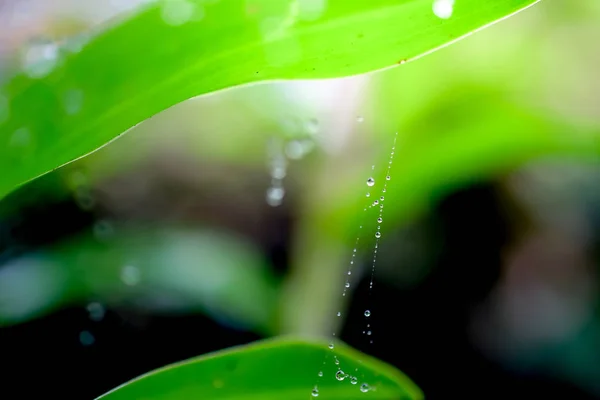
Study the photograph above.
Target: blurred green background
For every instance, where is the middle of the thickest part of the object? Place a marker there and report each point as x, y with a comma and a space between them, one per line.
233, 216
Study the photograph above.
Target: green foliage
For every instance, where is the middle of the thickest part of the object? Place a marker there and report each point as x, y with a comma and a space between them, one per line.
107, 83
274, 369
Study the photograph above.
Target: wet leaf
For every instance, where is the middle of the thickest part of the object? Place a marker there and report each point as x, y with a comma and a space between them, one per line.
273, 369
71, 98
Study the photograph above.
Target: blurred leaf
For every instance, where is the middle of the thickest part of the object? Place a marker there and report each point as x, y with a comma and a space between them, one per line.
168, 270
463, 135
69, 100
272, 369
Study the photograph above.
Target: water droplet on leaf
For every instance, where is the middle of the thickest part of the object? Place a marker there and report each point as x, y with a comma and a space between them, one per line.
367, 313
340, 375
370, 182
377, 235
364, 388
443, 8
40, 58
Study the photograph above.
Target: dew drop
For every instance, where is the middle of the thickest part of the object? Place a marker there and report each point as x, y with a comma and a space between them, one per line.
320, 374
339, 314
387, 178
20, 138
370, 182
40, 58
278, 172
376, 202
364, 388
315, 392
443, 8
275, 196
103, 230
297, 149
382, 198
353, 380
367, 313
336, 361
347, 285
312, 126
369, 333
380, 220
350, 272
377, 235
177, 12
96, 311
383, 190
73, 100
86, 338
331, 346
130, 275
368, 194
340, 375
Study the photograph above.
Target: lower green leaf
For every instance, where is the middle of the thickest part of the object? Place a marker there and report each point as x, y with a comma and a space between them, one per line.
279, 369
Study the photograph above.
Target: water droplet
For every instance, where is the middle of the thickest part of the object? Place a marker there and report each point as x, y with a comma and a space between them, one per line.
383, 190
278, 172
40, 58
96, 311
296, 149
177, 12
443, 8
360, 119
369, 333
275, 196
84, 198
340, 375
350, 272
320, 373
353, 380
370, 182
103, 230
20, 138
315, 392
377, 235
331, 346
73, 100
368, 194
86, 338
364, 388
336, 361
367, 313
339, 314
375, 202
130, 275
388, 178
347, 285
76, 43
380, 220
312, 126
382, 198
218, 384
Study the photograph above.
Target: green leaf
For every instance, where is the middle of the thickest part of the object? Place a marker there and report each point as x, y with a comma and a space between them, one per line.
273, 369
57, 109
